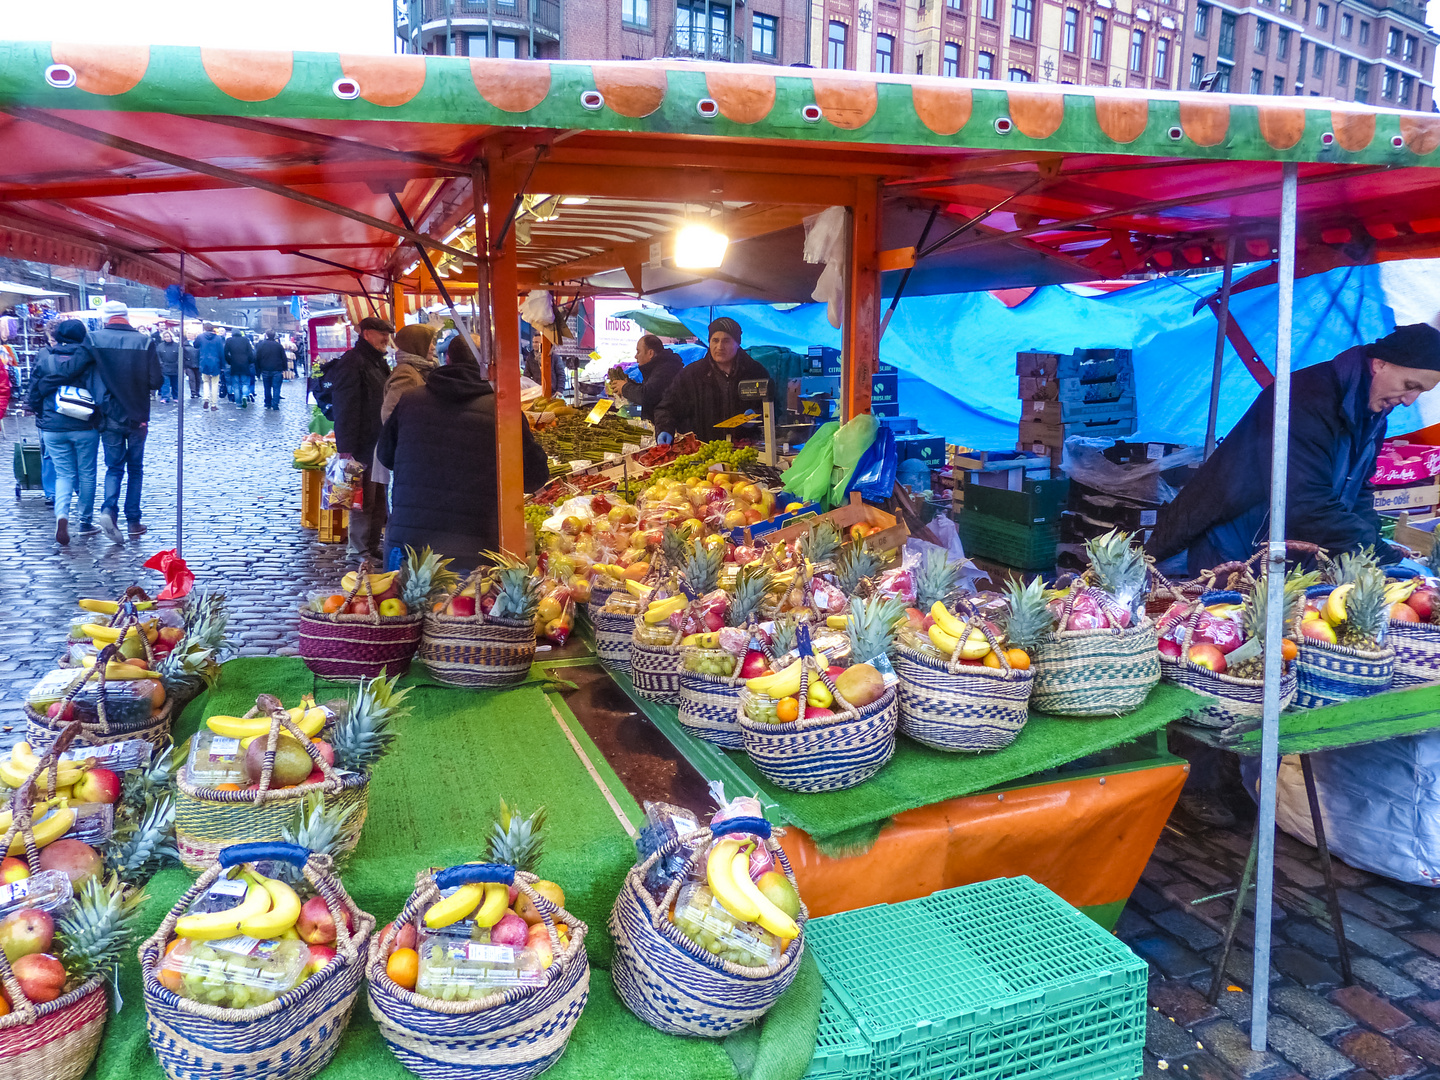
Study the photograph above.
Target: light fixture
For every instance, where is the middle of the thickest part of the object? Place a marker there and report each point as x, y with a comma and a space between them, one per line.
699, 247
575, 200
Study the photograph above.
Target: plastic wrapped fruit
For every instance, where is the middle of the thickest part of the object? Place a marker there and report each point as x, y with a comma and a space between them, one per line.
710, 662
701, 918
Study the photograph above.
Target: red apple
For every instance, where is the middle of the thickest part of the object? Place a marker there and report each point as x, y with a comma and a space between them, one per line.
13, 869
404, 937
1208, 656
320, 955
1403, 613
171, 634
26, 931
753, 664
97, 786
41, 977
1169, 647
1318, 630
461, 605
325, 750
316, 925
61, 710
359, 606
1423, 601
315, 777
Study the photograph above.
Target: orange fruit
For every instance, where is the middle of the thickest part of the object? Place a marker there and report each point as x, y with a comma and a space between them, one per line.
333, 604
403, 967
787, 709
4, 1004
992, 659
1288, 649
227, 787
1019, 659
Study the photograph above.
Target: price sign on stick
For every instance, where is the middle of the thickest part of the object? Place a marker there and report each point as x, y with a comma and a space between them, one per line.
598, 412
738, 421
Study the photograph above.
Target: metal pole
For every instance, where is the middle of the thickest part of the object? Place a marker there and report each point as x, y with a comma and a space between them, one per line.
1222, 328
180, 399
1274, 618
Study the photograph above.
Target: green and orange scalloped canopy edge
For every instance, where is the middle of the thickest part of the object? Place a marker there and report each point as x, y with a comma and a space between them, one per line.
751, 101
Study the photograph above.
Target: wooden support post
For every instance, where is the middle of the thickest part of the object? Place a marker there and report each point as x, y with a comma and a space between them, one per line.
547, 380
503, 181
862, 300
397, 305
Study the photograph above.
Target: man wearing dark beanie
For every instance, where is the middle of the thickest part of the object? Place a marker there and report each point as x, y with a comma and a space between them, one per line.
1338, 412
708, 391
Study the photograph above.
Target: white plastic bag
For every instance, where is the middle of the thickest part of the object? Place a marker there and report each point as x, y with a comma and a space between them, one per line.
537, 310
826, 241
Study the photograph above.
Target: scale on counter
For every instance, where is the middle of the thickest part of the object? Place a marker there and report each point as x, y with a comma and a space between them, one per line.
756, 390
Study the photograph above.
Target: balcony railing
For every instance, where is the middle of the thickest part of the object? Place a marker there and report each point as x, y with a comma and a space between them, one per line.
546, 12
696, 44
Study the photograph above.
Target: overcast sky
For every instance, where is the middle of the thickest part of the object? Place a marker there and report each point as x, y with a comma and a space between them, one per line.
324, 25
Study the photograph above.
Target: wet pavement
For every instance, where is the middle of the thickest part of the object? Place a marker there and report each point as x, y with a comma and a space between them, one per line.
242, 532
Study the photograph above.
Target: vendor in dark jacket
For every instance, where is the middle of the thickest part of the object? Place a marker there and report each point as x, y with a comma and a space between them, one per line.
1337, 423
708, 391
357, 381
440, 445
658, 368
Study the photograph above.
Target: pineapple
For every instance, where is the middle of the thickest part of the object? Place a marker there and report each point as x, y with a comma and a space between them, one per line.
1349, 565
516, 840
425, 576
1367, 611
782, 635
96, 932
819, 543
672, 547
517, 591
1029, 620
751, 585
871, 627
855, 564
936, 578
700, 566
1253, 618
143, 841
197, 655
315, 828
1119, 567
364, 733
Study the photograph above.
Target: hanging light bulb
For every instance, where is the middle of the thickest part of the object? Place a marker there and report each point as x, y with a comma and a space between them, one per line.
699, 247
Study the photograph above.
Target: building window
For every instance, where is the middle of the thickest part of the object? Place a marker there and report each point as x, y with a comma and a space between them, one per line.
1262, 36
1392, 43
1137, 51
1300, 67
1162, 59
1347, 24
1342, 69
1256, 75
507, 48
1227, 35
951, 66
763, 35
635, 12
1222, 79
984, 66
690, 36
1319, 68
1405, 81
955, 5
1197, 71
1282, 43
1362, 81
1387, 84
919, 63
1278, 89
884, 53
1287, 7
1097, 39
1322, 16
1306, 17
1022, 19
1072, 29
1202, 20
1019, 75
987, 9
836, 56
1409, 55
1364, 32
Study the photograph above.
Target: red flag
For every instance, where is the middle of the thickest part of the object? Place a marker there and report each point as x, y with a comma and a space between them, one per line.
178, 578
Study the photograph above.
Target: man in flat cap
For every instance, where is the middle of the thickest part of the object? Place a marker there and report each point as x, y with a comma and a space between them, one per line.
708, 391
357, 381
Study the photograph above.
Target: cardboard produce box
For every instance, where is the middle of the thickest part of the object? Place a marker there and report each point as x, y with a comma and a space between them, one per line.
1408, 496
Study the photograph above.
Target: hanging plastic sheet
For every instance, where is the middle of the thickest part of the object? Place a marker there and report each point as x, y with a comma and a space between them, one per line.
809, 475
874, 475
851, 443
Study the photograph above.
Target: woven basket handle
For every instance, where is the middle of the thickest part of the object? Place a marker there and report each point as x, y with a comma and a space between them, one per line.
362, 583
49, 763
19, 1003
428, 886
974, 621
476, 577
279, 718
102, 661
22, 803
809, 662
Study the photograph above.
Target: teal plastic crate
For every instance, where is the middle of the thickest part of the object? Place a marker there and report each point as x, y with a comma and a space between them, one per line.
996, 981
841, 1051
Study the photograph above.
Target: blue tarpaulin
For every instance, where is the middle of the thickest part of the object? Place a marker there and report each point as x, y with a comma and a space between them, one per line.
956, 353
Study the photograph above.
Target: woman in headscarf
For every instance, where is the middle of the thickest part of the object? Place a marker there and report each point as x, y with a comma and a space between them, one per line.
414, 361
708, 391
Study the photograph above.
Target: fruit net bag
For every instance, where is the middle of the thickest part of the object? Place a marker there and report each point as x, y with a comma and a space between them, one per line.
479, 650
961, 707
290, 1038
347, 647
514, 1033
670, 981
825, 752
211, 819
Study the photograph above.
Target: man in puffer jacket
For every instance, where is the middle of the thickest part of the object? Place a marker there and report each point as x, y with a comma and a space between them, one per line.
130, 368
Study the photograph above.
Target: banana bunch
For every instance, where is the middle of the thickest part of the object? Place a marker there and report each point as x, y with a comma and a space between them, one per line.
379, 583
727, 871
121, 670
316, 453
23, 761
310, 721
46, 829
786, 683
270, 909
710, 639
487, 901
661, 610
108, 635
635, 589
1397, 592
111, 607
945, 635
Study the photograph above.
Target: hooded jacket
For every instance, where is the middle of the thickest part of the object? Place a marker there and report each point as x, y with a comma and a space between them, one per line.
169, 353
210, 353
240, 354
439, 444
657, 376
410, 371
701, 396
67, 363
357, 388
130, 368
1221, 514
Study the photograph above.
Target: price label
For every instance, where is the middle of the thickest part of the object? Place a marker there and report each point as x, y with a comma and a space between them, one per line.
738, 421
602, 407
229, 887
222, 747
16, 890
810, 408
240, 945
489, 954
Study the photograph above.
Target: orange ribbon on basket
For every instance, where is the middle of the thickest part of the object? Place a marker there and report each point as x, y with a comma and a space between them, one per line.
179, 579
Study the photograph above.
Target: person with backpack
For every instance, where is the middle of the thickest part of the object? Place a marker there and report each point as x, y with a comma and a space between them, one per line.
210, 357
240, 356
69, 425
350, 392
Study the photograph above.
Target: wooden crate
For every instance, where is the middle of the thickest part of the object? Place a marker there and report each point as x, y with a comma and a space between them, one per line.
892, 532
1417, 531
334, 526
310, 483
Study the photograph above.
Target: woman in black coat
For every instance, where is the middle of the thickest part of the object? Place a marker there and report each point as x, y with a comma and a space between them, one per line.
439, 445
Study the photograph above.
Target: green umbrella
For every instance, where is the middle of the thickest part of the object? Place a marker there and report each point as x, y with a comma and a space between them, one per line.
658, 322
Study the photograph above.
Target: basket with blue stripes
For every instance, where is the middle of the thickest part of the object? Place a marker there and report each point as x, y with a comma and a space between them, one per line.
670, 982
1416, 644
292, 1037
614, 628
1329, 674
511, 1034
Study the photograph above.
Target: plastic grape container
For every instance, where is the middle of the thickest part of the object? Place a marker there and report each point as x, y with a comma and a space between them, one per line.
704, 920
237, 972
215, 759
711, 662
453, 967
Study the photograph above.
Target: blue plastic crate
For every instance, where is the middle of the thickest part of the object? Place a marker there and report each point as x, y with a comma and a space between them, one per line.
841, 1051
996, 981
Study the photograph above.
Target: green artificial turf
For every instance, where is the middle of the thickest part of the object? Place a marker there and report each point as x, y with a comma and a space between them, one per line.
432, 800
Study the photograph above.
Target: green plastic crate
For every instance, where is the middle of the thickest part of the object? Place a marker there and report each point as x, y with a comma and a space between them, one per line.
997, 981
1038, 502
841, 1051
1025, 547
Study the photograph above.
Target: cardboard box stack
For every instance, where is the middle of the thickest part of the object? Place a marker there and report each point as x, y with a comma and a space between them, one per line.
1088, 392
1007, 507
1093, 513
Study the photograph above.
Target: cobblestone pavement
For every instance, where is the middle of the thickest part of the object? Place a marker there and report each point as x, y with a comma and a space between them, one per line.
242, 531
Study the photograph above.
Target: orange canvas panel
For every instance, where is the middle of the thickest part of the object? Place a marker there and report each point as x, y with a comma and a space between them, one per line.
1087, 840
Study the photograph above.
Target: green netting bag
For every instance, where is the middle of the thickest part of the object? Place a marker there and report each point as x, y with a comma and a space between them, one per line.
809, 478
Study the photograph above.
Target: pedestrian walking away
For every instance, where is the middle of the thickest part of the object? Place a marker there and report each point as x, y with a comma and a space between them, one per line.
270, 363
69, 427
240, 359
357, 389
130, 368
192, 366
169, 351
210, 358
